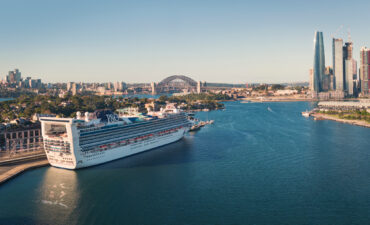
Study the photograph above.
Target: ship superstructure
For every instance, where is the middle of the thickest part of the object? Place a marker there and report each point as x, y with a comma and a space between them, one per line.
98, 138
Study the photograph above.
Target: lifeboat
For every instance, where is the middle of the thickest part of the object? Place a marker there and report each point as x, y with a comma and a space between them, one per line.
112, 145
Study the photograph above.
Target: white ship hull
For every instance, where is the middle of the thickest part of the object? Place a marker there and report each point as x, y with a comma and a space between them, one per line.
71, 143
124, 151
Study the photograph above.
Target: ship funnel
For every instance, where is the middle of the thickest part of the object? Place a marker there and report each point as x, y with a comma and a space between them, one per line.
87, 114
78, 115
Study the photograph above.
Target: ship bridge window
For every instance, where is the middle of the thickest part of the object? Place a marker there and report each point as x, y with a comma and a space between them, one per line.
58, 130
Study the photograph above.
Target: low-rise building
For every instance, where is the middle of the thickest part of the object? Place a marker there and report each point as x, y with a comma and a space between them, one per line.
344, 105
21, 138
285, 92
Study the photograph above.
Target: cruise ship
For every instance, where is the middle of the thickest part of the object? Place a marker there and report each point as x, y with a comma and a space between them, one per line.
100, 137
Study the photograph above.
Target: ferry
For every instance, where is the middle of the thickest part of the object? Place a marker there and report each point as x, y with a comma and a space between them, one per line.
100, 137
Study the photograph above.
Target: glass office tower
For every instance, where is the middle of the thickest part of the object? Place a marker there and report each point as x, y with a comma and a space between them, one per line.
319, 62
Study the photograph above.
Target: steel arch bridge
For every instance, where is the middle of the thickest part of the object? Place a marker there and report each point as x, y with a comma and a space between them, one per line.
187, 80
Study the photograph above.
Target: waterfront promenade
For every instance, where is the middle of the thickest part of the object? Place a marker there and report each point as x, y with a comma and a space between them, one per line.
10, 171
11, 167
350, 112
334, 118
278, 99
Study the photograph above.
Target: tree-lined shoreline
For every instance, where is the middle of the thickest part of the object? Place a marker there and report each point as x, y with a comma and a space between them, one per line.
26, 106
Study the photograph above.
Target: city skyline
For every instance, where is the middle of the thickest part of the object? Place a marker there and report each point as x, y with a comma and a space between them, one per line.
218, 41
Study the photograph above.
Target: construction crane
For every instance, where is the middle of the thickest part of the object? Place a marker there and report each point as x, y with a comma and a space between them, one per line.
349, 35
336, 32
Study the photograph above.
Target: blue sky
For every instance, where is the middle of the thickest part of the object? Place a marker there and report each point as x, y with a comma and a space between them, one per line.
144, 41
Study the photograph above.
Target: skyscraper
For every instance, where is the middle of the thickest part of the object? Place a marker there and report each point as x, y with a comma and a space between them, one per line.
365, 70
116, 86
69, 86
74, 89
154, 88
355, 78
327, 82
199, 87
109, 86
14, 76
348, 67
123, 86
18, 76
338, 64
348, 75
311, 79
319, 62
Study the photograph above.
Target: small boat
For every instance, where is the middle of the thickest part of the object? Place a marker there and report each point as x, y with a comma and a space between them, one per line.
195, 128
306, 114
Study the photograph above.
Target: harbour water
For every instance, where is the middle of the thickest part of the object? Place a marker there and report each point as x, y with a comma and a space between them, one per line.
5, 99
259, 163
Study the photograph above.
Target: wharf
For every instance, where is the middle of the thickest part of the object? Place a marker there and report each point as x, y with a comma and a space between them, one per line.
197, 126
12, 168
